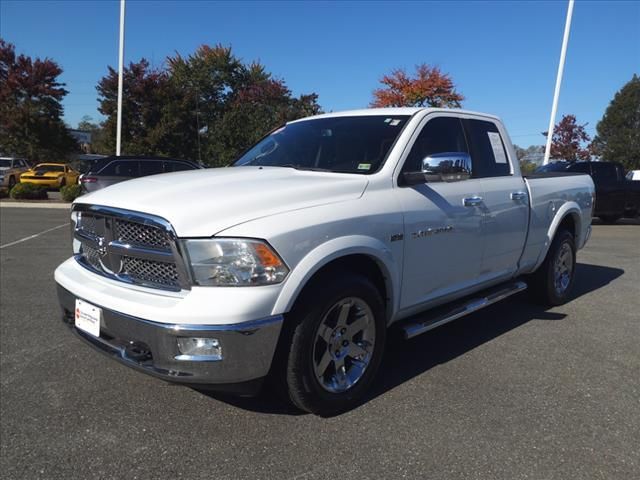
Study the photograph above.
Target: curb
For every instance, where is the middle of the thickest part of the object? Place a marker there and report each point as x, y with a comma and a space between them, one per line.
59, 206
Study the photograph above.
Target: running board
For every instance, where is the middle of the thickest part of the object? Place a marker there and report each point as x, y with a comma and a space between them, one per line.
424, 323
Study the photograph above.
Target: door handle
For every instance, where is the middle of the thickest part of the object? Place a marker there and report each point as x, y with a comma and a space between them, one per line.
518, 195
472, 201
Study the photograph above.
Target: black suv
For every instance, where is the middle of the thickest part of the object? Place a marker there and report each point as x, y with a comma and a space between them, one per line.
110, 170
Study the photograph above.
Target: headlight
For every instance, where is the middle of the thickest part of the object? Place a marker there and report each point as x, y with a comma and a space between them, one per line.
234, 262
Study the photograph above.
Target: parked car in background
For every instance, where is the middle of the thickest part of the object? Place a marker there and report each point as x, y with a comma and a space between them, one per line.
111, 170
10, 171
51, 175
84, 162
617, 196
633, 175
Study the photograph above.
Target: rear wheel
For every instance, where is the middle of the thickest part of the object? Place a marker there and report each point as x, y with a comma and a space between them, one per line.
552, 282
336, 342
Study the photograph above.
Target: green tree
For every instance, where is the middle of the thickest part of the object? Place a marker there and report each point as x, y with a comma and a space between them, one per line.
225, 105
98, 135
208, 106
618, 133
30, 107
526, 157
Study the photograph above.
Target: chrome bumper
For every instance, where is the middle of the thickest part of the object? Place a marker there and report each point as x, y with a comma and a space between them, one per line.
151, 347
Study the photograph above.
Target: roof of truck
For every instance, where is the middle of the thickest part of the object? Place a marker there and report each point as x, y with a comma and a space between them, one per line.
393, 111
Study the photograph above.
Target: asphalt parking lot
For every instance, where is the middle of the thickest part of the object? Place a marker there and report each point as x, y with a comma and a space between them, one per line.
511, 392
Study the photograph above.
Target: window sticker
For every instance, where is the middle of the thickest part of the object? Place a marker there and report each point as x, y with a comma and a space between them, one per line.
395, 122
496, 145
364, 166
387, 120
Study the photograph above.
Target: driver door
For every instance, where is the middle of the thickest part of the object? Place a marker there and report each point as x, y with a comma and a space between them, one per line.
443, 242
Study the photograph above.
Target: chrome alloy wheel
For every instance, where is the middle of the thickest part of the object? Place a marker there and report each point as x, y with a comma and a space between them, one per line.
343, 345
563, 269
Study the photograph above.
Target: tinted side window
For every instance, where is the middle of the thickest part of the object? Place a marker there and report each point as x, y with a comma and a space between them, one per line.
150, 167
605, 172
176, 166
488, 154
121, 168
440, 135
579, 167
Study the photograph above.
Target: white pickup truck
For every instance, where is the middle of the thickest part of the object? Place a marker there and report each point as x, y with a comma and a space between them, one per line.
293, 263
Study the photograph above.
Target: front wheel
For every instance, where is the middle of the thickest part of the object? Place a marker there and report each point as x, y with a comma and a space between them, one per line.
553, 280
337, 340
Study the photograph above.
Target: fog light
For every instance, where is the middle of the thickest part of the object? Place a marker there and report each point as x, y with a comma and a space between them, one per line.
199, 349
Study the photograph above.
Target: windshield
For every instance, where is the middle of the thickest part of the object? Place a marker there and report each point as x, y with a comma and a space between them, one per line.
5, 163
43, 167
338, 144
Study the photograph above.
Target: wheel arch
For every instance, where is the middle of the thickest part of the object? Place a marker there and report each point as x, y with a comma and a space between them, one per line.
568, 217
365, 255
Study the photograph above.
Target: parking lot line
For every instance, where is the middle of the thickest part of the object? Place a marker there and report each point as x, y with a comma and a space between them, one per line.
30, 237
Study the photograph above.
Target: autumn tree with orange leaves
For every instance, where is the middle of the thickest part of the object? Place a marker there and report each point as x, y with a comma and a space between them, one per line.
428, 88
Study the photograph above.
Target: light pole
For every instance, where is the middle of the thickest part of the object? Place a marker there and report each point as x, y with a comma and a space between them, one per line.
556, 93
120, 68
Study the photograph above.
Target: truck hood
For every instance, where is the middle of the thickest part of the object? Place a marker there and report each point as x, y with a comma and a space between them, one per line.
201, 203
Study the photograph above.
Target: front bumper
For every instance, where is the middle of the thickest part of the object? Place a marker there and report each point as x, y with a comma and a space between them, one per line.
151, 347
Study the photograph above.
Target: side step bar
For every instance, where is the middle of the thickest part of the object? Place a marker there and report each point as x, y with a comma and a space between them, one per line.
440, 316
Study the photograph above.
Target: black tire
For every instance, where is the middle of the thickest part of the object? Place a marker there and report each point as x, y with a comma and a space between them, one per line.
609, 219
12, 182
300, 344
543, 282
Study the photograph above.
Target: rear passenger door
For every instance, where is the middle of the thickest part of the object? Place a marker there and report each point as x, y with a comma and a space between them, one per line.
505, 202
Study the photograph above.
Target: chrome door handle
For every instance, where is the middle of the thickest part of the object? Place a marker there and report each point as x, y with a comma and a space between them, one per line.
472, 201
518, 195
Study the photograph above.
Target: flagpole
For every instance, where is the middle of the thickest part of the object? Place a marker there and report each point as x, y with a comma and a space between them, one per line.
120, 71
556, 93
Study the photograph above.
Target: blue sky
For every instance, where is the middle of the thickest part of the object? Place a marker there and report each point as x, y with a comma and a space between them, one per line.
502, 55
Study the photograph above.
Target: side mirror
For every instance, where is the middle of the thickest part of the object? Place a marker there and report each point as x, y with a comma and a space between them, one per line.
441, 167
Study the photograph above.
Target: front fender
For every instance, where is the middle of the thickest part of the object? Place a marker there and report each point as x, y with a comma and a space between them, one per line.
332, 250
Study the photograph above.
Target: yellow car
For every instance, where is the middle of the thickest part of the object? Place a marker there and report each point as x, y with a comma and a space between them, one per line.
51, 175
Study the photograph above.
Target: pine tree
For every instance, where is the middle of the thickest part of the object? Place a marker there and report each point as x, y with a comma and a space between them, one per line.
618, 133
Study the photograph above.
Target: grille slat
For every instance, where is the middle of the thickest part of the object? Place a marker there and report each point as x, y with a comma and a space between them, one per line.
128, 268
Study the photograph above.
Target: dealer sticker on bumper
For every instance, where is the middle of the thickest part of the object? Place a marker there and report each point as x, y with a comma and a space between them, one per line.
88, 318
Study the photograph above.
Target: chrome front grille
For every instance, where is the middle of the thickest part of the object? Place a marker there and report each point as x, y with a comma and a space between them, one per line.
130, 247
144, 235
160, 273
